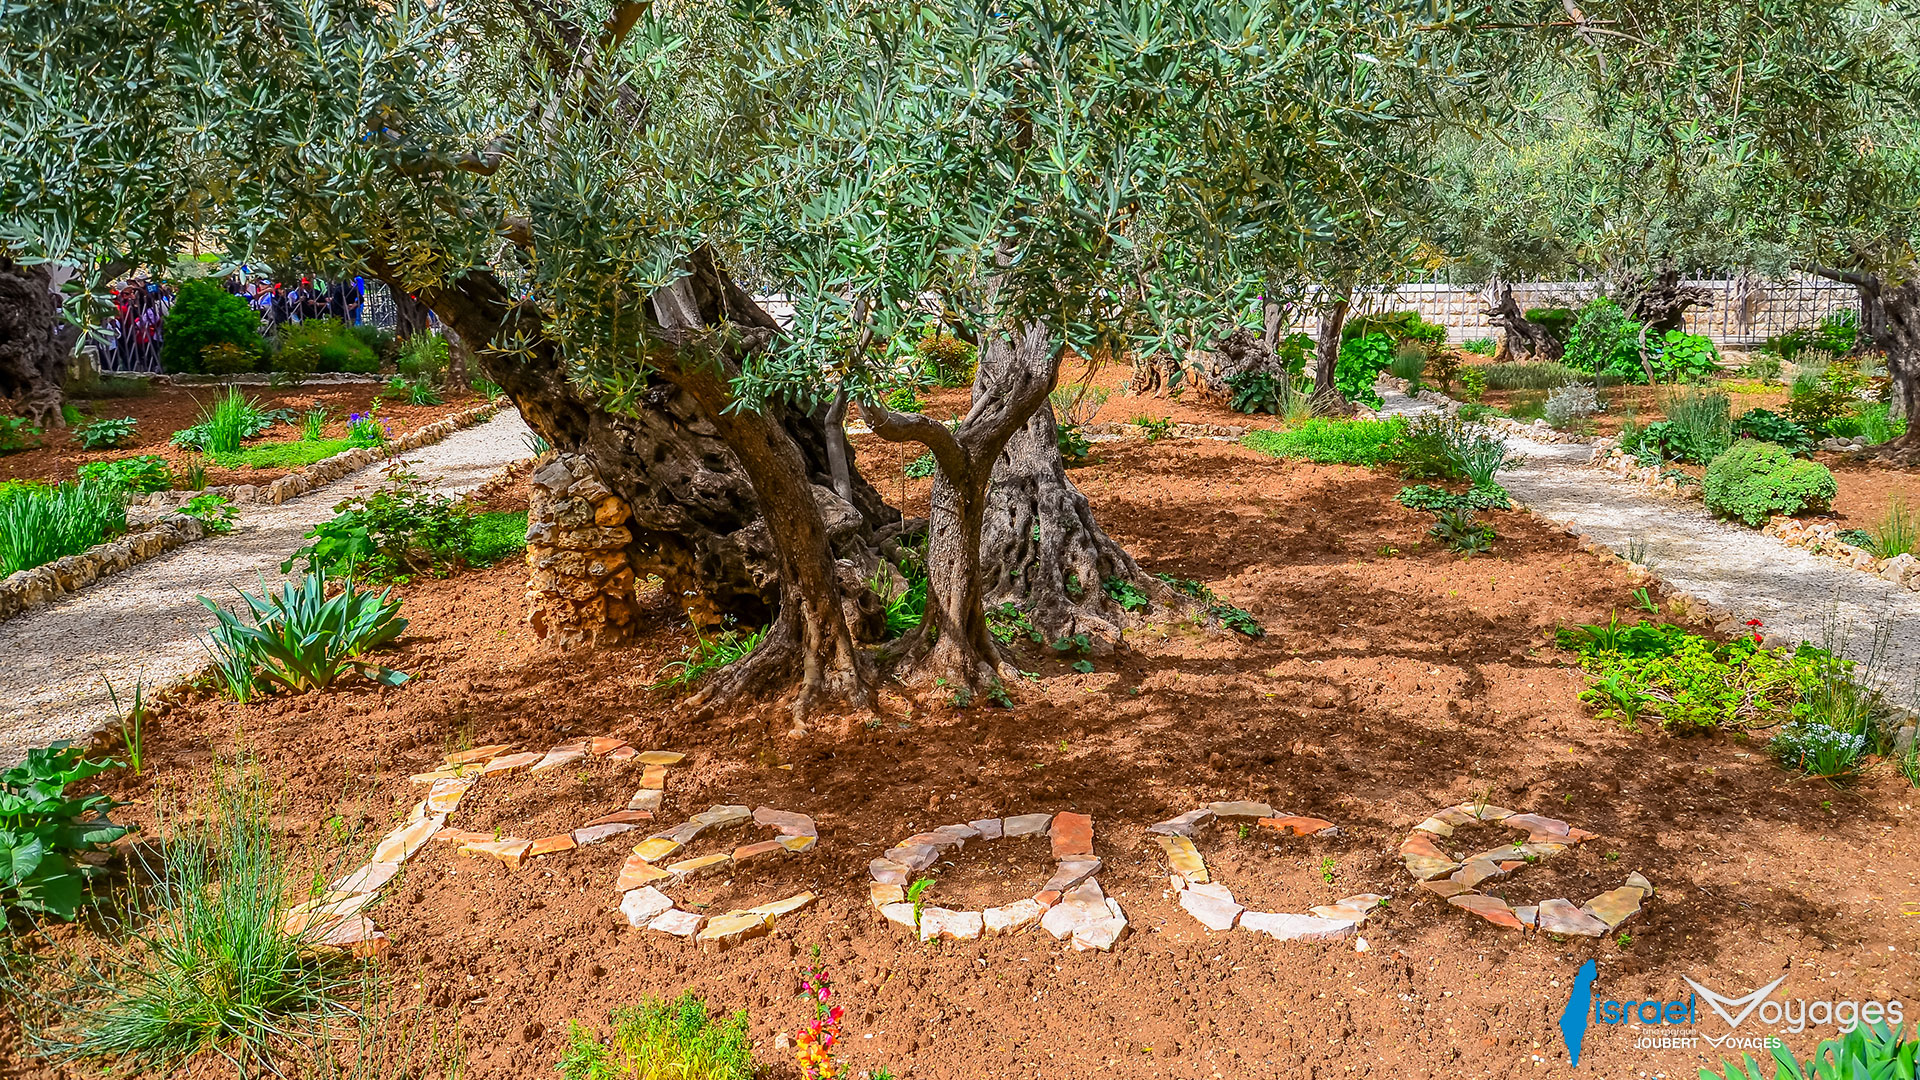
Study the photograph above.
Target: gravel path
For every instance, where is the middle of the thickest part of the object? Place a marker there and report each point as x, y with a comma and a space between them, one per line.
145, 623
1799, 596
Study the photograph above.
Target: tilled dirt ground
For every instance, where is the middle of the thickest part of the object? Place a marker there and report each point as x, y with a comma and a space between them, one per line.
171, 408
1394, 679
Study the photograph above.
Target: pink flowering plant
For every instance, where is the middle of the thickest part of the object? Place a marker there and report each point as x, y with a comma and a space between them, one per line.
814, 1043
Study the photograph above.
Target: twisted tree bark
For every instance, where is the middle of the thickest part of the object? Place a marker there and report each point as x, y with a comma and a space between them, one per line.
1521, 340
33, 349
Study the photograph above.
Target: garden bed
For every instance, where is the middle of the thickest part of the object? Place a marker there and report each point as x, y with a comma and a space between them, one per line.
169, 408
1394, 678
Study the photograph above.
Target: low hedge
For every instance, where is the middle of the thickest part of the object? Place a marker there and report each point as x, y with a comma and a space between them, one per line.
1753, 481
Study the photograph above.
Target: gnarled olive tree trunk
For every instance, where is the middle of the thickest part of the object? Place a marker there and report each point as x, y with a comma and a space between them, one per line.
33, 346
732, 505
1521, 340
1890, 313
1327, 398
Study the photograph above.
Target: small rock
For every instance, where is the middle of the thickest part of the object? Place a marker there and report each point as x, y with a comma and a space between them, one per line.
643, 905
1025, 825
1240, 809
1212, 912
900, 915
914, 856
887, 872
1184, 825
988, 828
1183, 857
1289, 927
1615, 906
1561, 917
1012, 918
937, 923
1072, 834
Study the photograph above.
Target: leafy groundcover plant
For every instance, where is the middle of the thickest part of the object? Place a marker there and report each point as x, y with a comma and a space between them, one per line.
300, 639
680, 1040
1755, 480
44, 829
1342, 442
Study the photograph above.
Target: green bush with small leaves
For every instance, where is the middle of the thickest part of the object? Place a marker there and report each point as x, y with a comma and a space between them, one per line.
1764, 425
1605, 340
205, 314
1362, 359
147, 472
1753, 481
948, 360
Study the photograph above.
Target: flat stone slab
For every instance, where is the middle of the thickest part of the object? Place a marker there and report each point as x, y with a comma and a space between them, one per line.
655, 848
653, 778
774, 909
754, 851
1101, 934
366, 879
797, 844
1025, 824
558, 757
1183, 857
678, 923
638, 872
398, 845
1475, 871
722, 817
1285, 926
1211, 911
1083, 906
594, 834
1435, 826
914, 856
1184, 825
1425, 867
1012, 918
1442, 887
1072, 834
627, 816
1615, 906
1420, 843
1071, 872
1490, 908
509, 762
509, 851
1300, 826
547, 845
1241, 809
887, 872
789, 823
1484, 812
478, 754
1561, 917
988, 828
880, 895
694, 867
937, 923
648, 799
643, 905
900, 915
1638, 881
660, 757
622, 753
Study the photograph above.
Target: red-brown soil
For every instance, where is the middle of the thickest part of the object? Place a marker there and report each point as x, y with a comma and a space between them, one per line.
1394, 679
170, 408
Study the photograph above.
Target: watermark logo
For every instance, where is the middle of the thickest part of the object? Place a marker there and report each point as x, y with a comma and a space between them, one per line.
1793, 1015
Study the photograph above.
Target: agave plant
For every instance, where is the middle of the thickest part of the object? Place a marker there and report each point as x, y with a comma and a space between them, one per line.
300, 639
1868, 1052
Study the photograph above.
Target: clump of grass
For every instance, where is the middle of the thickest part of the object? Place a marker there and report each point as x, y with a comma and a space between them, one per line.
232, 420
282, 455
39, 524
661, 1040
1532, 375
1895, 533
709, 654
213, 968
495, 536
313, 424
1344, 442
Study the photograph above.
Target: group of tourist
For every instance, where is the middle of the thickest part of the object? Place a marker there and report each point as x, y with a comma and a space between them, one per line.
130, 340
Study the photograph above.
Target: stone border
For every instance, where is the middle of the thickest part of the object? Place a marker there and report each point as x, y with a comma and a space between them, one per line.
1070, 905
1457, 881
327, 470
1181, 429
1213, 906
27, 590
1822, 538
645, 905
249, 378
24, 591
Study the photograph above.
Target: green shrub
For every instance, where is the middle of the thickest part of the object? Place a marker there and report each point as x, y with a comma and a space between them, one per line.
1820, 401
1531, 375
1457, 529
708, 654
1409, 363
105, 434
390, 535
363, 429
1362, 359
1254, 392
1345, 442
324, 345
1293, 351
204, 314
1074, 447
213, 971
39, 524
947, 360
661, 1041
43, 827
226, 358
214, 512
147, 472
1557, 321
299, 639
1473, 384
1755, 480
905, 399
1682, 357
1763, 425
1436, 499
1605, 341
423, 356
17, 433
1483, 346
1871, 422
1399, 327
925, 466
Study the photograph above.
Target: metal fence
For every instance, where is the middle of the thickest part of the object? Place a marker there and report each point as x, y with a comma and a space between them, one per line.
1739, 311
